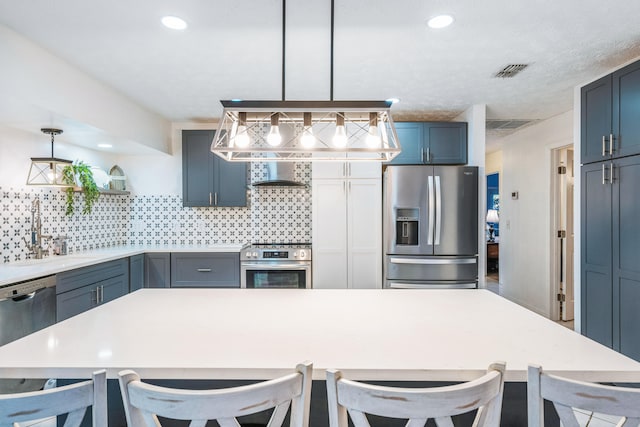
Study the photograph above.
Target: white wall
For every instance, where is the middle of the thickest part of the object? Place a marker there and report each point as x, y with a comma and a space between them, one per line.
525, 230
493, 164
39, 89
159, 173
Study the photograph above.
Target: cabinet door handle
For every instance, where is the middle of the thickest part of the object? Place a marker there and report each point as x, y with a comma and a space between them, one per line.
344, 169
428, 154
101, 294
422, 155
604, 179
94, 301
349, 186
215, 199
210, 203
349, 169
604, 145
611, 177
611, 148
204, 270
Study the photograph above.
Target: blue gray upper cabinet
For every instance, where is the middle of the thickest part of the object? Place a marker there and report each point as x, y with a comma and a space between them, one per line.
432, 143
207, 179
609, 116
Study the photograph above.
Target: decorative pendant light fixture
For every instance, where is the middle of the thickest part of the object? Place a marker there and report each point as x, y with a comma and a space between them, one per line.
306, 130
47, 171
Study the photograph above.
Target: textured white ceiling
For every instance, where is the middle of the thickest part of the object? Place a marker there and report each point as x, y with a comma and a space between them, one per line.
232, 49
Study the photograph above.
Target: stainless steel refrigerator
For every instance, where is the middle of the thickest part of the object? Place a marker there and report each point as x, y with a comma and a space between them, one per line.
430, 227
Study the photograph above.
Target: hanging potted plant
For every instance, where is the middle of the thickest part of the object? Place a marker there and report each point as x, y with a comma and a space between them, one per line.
80, 174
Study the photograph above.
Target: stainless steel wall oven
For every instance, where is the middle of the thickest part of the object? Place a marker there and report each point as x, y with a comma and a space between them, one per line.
276, 266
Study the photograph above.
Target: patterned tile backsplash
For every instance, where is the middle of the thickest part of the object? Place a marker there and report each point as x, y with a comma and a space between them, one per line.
273, 214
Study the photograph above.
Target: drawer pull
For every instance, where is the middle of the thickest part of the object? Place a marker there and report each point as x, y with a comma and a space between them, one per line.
204, 270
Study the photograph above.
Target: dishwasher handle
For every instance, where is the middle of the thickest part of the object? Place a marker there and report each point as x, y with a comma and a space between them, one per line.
26, 290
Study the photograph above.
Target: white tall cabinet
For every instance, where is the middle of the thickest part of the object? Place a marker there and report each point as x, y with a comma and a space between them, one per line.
347, 225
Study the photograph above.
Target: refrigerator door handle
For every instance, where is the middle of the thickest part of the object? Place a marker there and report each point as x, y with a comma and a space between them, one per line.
432, 261
438, 210
427, 286
431, 209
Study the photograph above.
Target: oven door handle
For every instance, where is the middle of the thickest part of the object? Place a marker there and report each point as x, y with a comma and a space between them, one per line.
275, 266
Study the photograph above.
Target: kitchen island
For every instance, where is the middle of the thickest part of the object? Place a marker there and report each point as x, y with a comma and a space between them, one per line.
242, 334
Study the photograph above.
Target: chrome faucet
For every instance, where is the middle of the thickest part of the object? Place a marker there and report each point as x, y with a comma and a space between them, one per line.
35, 246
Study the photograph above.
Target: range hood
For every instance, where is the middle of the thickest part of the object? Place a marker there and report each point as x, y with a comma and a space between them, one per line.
280, 174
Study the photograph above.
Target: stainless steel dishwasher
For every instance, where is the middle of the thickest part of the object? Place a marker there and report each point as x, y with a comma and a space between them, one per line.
26, 307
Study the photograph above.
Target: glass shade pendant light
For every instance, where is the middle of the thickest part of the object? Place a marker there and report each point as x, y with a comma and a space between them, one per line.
373, 137
48, 171
241, 136
274, 138
340, 138
307, 139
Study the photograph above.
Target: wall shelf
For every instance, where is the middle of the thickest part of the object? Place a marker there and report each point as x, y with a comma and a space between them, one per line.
106, 191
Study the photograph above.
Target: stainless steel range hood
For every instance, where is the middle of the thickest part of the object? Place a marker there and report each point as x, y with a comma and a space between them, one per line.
280, 174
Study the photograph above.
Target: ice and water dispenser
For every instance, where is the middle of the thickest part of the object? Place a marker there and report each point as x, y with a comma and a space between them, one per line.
407, 224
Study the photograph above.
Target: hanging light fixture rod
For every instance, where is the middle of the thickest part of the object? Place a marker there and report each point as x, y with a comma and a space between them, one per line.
53, 132
331, 51
284, 25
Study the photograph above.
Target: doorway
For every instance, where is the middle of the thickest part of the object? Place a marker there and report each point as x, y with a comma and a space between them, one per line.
562, 248
493, 227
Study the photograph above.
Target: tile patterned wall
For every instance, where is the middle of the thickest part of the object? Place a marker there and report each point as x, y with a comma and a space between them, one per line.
106, 226
273, 214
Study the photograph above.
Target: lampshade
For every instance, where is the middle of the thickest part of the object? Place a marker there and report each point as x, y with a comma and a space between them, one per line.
492, 216
348, 122
48, 171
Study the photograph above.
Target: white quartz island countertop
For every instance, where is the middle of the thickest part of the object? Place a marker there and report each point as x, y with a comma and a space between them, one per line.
27, 270
263, 333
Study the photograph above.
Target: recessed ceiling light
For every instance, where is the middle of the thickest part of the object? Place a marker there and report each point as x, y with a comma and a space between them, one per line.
440, 21
105, 145
174, 23
393, 100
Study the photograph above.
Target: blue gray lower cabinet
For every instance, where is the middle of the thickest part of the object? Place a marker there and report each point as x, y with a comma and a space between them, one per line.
610, 254
157, 270
205, 270
84, 288
136, 272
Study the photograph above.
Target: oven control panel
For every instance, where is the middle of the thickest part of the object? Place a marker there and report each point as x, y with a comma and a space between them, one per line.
284, 254
275, 254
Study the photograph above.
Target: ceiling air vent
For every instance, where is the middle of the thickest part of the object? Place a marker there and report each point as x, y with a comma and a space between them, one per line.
505, 124
510, 70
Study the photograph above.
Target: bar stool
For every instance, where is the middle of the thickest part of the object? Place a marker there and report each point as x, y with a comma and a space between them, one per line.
353, 399
73, 400
566, 394
143, 402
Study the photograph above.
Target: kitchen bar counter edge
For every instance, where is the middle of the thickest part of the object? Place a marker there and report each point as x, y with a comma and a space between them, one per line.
31, 269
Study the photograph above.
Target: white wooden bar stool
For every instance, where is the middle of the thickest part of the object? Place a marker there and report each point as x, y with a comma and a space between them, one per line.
352, 399
143, 402
73, 400
566, 394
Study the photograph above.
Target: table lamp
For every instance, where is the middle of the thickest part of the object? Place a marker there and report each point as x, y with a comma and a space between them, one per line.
492, 218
